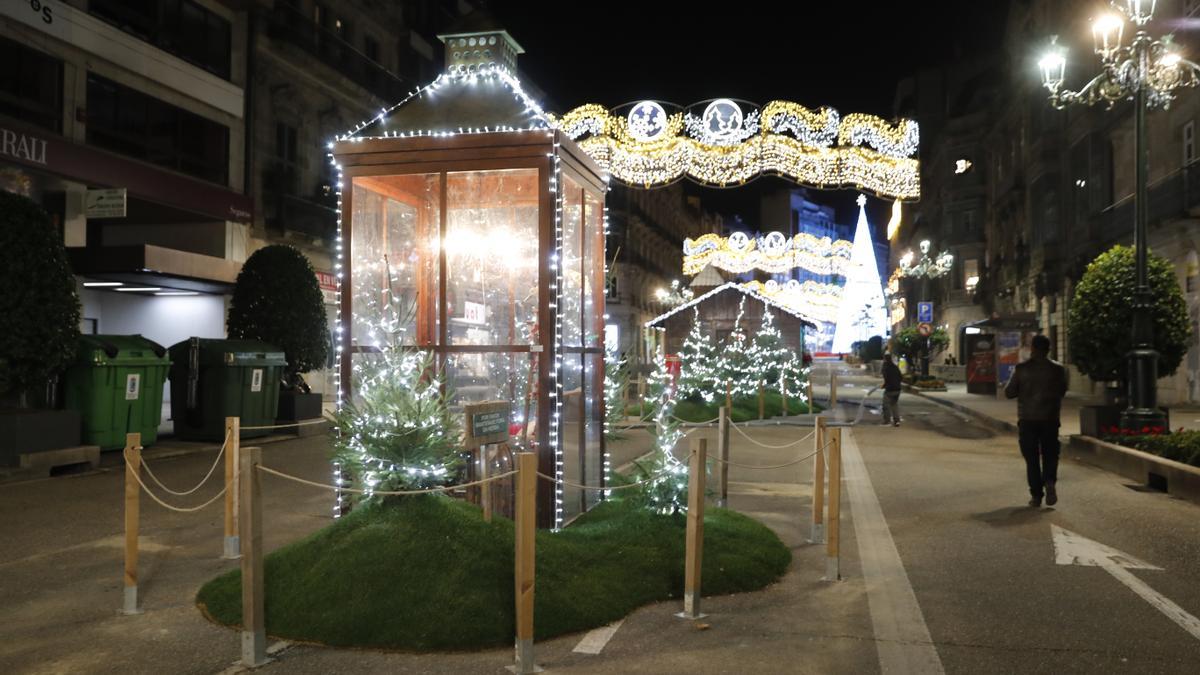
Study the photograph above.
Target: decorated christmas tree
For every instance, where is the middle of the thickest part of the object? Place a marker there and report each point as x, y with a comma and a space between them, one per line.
699, 376
667, 493
734, 368
862, 312
616, 380
768, 355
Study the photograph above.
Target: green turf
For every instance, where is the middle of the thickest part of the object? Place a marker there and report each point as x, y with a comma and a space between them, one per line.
427, 573
745, 408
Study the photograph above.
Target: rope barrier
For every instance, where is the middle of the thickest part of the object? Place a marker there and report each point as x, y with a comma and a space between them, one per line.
202, 481
776, 466
607, 488
444, 488
680, 419
177, 509
773, 447
289, 424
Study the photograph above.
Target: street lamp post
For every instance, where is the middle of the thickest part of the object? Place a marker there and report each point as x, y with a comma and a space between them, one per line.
1147, 71
925, 269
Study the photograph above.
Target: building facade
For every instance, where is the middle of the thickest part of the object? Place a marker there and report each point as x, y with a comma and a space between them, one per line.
180, 136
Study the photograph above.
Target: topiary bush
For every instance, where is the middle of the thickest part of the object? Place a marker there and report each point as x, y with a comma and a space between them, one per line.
907, 342
277, 300
1101, 316
39, 304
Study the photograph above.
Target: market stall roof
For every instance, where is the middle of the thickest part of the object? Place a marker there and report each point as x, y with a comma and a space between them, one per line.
731, 287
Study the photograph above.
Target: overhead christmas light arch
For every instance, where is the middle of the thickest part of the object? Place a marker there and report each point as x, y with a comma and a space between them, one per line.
727, 146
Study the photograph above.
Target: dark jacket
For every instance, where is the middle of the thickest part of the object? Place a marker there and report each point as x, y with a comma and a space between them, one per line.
1039, 385
891, 377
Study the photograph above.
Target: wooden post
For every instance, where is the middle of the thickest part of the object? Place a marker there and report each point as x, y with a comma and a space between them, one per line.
728, 395
810, 392
526, 530
485, 489
133, 493
641, 389
695, 531
723, 454
762, 412
254, 629
818, 488
832, 390
233, 441
832, 552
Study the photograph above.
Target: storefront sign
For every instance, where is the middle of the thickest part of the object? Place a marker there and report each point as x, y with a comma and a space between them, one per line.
486, 422
473, 312
105, 204
85, 164
327, 281
24, 147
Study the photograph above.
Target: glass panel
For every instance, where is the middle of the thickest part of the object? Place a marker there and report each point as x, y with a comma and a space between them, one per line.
393, 271
572, 256
593, 397
491, 256
572, 419
593, 279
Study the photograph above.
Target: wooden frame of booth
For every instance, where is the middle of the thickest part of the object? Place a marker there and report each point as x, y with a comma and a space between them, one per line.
562, 168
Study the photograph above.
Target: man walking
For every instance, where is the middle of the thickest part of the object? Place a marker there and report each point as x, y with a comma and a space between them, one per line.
891, 391
1039, 385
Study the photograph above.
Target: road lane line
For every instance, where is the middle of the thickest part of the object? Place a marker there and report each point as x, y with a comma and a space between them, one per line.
901, 636
594, 641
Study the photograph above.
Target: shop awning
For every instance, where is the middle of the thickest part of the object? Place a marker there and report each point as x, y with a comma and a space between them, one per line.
155, 266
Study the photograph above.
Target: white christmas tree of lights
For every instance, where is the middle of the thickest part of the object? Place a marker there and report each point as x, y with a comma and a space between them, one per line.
668, 492
862, 312
733, 364
767, 354
699, 374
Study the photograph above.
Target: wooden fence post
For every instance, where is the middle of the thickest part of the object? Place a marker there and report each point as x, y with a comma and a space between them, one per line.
810, 393
233, 441
695, 531
254, 628
818, 487
832, 389
723, 456
762, 404
783, 391
525, 559
133, 492
833, 535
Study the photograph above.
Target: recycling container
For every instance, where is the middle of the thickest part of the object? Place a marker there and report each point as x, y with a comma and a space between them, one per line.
214, 379
116, 385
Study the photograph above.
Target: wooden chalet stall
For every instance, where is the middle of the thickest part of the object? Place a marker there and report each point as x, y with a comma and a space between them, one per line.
459, 204
718, 314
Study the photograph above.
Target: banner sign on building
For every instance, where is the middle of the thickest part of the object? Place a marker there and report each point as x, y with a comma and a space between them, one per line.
108, 203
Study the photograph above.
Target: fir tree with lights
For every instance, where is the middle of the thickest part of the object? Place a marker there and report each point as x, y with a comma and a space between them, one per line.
666, 494
699, 377
616, 380
734, 367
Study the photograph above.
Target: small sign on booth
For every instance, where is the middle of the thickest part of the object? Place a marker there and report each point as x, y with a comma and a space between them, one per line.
485, 422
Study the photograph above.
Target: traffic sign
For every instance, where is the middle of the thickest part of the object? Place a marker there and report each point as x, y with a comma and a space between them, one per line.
925, 312
925, 329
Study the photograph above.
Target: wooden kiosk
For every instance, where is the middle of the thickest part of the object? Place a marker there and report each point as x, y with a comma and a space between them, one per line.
465, 205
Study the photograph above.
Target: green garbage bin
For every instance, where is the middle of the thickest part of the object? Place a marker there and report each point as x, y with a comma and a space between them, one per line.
116, 385
215, 379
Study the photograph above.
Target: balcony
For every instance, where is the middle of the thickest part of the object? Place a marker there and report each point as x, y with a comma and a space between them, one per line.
306, 218
286, 25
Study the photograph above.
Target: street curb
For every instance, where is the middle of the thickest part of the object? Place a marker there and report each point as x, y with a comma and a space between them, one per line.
984, 419
1178, 479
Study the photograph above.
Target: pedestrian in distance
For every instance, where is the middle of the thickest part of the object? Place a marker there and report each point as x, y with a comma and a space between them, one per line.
892, 385
1039, 385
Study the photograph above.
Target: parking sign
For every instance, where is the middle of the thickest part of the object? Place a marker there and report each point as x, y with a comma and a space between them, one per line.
925, 312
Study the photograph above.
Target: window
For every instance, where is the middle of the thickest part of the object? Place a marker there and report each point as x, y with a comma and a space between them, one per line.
285, 142
967, 222
970, 270
1189, 141
31, 85
180, 27
127, 121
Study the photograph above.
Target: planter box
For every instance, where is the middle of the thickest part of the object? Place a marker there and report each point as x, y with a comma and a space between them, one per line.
26, 431
294, 406
1174, 478
1093, 419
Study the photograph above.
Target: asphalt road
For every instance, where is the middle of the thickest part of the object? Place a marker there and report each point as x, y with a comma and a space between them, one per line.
951, 499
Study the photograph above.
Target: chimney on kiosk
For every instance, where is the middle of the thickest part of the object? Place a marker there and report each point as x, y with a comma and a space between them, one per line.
479, 42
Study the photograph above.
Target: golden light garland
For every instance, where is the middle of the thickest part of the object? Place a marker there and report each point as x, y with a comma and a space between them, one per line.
813, 299
795, 142
772, 253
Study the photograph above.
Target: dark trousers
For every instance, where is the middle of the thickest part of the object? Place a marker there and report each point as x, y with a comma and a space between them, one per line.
1039, 447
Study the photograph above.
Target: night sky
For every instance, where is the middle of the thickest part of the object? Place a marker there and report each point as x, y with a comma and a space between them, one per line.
848, 55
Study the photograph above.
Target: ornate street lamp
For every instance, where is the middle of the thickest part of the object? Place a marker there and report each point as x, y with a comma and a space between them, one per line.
925, 269
1147, 71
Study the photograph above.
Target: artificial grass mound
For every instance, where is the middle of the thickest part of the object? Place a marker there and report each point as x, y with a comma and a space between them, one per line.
744, 409
427, 573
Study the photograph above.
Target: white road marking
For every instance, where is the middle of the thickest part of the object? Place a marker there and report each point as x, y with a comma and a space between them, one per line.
1073, 549
901, 636
594, 641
